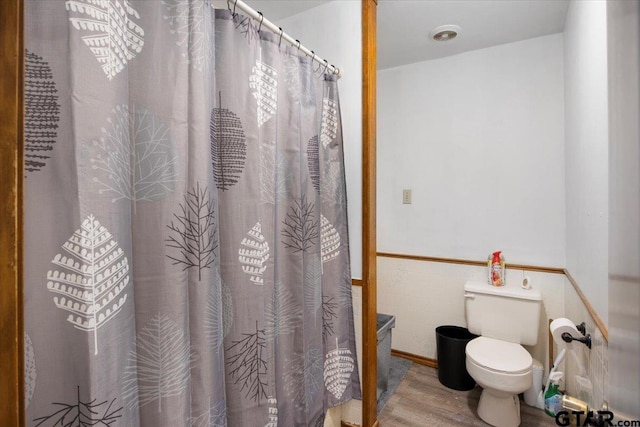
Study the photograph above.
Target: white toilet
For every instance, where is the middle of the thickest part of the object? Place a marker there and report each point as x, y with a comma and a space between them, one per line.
505, 317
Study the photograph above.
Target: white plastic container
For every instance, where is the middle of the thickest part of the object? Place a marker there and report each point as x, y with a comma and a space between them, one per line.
531, 395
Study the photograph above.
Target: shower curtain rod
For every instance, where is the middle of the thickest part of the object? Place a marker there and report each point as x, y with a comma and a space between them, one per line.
232, 4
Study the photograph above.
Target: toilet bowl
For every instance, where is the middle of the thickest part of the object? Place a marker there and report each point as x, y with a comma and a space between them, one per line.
505, 317
503, 370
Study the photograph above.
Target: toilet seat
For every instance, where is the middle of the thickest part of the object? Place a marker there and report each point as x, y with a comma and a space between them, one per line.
499, 356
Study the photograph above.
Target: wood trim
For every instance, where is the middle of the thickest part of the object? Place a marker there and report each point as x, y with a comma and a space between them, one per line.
356, 282
349, 424
596, 319
555, 270
11, 177
420, 360
369, 244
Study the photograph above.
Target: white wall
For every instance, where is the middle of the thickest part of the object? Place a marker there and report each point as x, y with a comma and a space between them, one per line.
478, 137
586, 144
334, 31
585, 370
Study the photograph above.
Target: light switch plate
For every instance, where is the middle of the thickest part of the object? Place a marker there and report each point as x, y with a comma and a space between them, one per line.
406, 197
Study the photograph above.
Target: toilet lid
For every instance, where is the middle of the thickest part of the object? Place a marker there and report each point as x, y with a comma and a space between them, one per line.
499, 355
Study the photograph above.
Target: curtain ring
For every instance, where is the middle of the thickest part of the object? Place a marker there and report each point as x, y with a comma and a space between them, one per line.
281, 31
228, 6
298, 45
233, 14
336, 70
326, 65
313, 55
261, 19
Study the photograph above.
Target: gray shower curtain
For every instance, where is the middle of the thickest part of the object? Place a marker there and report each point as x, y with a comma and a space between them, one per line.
186, 247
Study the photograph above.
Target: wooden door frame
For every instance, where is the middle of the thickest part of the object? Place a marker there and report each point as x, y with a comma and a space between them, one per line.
369, 245
11, 177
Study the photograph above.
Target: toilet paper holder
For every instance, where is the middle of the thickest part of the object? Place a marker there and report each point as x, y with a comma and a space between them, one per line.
585, 339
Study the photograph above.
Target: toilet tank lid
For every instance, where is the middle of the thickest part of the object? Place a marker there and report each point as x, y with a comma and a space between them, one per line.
509, 290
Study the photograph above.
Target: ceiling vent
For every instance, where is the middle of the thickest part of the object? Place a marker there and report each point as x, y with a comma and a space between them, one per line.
445, 33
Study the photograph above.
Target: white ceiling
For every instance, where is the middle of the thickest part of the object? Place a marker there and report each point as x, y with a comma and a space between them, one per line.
404, 25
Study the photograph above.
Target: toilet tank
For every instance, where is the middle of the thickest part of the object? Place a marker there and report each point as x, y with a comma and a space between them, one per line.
509, 313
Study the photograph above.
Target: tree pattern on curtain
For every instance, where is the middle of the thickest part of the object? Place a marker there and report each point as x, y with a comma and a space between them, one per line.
193, 232
135, 156
188, 222
81, 413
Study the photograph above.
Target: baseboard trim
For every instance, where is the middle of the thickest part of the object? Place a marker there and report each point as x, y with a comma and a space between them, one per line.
420, 360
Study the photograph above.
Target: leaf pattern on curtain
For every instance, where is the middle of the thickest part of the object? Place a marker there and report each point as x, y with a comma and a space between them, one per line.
345, 293
188, 159
216, 416
41, 112
292, 78
191, 23
272, 416
90, 278
313, 284
338, 366
330, 240
159, 364
301, 90
228, 147
30, 374
300, 227
329, 126
274, 176
115, 38
135, 156
194, 234
303, 377
264, 84
333, 185
247, 364
81, 413
283, 314
313, 162
219, 318
319, 421
254, 254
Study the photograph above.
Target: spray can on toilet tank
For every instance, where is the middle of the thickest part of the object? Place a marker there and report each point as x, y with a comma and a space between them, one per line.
496, 266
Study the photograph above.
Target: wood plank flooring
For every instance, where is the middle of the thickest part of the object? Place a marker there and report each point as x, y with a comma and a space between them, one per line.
420, 400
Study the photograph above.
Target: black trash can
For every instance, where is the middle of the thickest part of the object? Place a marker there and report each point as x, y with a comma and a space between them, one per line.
452, 371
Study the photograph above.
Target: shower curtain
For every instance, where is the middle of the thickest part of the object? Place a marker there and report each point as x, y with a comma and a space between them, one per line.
186, 247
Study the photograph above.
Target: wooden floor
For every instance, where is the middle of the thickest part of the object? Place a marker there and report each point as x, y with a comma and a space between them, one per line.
420, 400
